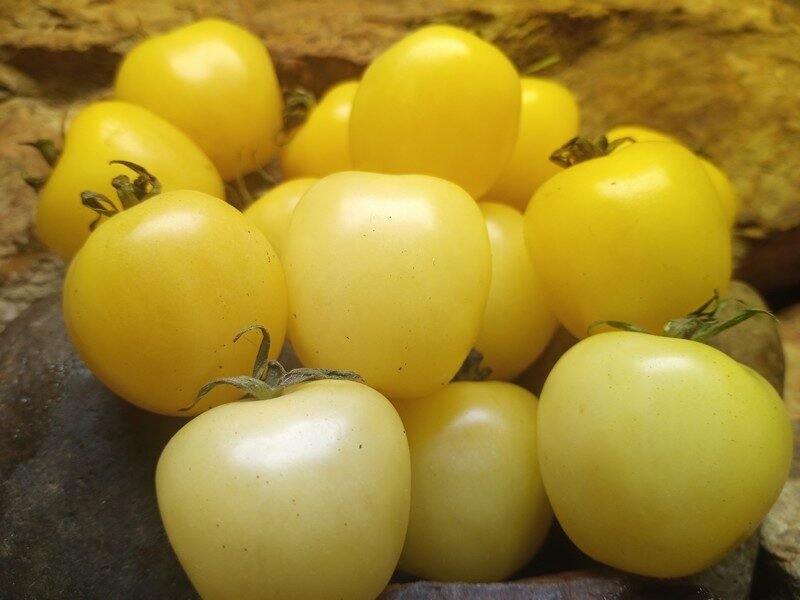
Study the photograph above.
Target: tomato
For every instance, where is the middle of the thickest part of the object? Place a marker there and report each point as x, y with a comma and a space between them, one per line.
478, 507
725, 189
214, 80
549, 118
636, 236
106, 131
388, 276
301, 496
439, 102
659, 455
517, 323
272, 211
154, 297
321, 145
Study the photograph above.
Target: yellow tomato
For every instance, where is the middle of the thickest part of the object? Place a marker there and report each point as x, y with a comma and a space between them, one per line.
305, 496
517, 323
214, 80
106, 131
155, 296
635, 236
439, 102
321, 145
659, 455
725, 190
272, 211
478, 507
388, 276
550, 117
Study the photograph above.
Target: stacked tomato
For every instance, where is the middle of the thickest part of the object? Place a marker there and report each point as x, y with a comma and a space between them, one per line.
397, 244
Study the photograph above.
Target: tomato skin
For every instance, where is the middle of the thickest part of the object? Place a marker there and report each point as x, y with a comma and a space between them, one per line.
728, 196
303, 496
478, 507
106, 131
439, 102
388, 276
517, 323
215, 81
659, 455
321, 145
272, 211
155, 296
637, 236
549, 118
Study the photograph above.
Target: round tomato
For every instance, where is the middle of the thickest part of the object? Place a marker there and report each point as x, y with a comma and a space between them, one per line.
659, 455
303, 496
549, 118
214, 80
635, 236
478, 507
321, 145
388, 276
439, 102
100, 133
272, 211
517, 323
156, 294
725, 190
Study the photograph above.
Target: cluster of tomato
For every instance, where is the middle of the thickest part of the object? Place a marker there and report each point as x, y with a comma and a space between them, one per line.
657, 455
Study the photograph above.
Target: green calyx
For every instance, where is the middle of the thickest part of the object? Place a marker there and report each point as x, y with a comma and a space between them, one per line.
471, 369
130, 192
47, 149
298, 102
270, 378
581, 149
701, 324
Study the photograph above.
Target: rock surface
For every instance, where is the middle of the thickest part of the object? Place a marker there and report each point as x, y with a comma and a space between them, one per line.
735, 65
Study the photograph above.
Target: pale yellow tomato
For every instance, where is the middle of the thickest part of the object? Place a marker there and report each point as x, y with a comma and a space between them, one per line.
304, 496
388, 276
549, 118
154, 297
321, 145
100, 133
215, 81
439, 102
478, 507
636, 236
517, 323
272, 211
659, 455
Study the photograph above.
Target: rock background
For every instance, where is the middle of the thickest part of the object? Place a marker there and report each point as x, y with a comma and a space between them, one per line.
723, 76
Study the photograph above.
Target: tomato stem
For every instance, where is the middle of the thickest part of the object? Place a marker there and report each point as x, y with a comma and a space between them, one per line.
269, 378
471, 369
46, 148
580, 149
298, 102
701, 324
129, 192
542, 64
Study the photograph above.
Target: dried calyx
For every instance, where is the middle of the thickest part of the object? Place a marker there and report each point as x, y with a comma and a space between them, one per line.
129, 192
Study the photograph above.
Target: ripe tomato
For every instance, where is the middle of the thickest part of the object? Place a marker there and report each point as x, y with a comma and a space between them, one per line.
517, 323
272, 211
725, 189
550, 117
154, 297
388, 277
440, 102
478, 507
106, 131
214, 80
636, 236
321, 145
659, 455
302, 496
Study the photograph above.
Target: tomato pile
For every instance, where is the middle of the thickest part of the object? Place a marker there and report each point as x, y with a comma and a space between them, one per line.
420, 218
